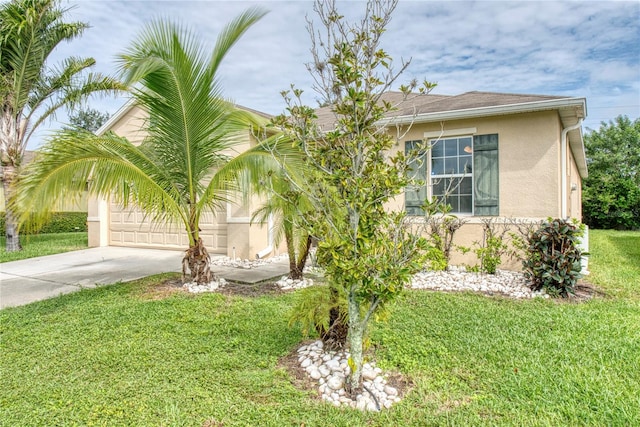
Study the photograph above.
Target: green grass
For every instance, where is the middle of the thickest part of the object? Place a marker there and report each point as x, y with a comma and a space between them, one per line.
114, 356
615, 262
44, 244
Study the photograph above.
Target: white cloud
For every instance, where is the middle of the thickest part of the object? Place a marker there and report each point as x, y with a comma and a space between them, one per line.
567, 48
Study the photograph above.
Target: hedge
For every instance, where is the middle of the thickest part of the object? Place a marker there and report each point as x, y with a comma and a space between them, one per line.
60, 222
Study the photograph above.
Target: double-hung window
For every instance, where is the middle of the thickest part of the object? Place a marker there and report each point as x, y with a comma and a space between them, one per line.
461, 172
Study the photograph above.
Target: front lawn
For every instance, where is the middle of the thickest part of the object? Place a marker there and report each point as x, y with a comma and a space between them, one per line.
35, 245
133, 354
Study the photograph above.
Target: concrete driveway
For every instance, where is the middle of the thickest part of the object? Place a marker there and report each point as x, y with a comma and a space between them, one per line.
26, 281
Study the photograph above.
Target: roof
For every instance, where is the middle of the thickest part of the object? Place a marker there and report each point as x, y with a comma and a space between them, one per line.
131, 102
428, 108
423, 108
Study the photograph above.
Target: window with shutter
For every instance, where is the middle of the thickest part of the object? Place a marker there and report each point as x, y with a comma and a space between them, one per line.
463, 173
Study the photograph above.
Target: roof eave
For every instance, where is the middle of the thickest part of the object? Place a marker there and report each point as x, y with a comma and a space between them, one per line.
131, 102
526, 107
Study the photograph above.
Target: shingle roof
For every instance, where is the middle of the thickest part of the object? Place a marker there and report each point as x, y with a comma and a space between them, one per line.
417, 104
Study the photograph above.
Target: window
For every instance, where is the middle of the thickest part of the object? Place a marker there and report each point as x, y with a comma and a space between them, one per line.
462, 172
451, 173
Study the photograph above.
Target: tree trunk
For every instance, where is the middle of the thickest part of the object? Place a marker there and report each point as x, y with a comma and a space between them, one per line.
356, 340
11, 224
304, 254
298, 261
335, 337
294, 272
197, 261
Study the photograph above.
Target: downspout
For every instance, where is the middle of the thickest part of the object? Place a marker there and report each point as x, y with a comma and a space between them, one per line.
270, 232
563, 168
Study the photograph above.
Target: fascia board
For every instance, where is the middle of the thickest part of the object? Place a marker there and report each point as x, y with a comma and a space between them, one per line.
117, 116
526, 107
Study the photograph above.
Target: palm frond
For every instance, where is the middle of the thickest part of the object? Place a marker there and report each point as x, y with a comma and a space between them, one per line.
113, 167
232, 33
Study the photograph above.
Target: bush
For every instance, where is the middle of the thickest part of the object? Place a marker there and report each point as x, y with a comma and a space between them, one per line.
59, 222
312, 310
553, 260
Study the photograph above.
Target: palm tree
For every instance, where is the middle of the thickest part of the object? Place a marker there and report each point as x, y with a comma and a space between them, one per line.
32, 92
274, 169
177, 173
287, 206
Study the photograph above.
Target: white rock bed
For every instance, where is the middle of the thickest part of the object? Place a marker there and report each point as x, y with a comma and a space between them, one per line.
330, 370
511, 283
287, 284
212, 286
247, 263
504, 282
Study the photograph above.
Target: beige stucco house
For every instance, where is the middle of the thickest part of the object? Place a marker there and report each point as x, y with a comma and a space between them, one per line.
509, 155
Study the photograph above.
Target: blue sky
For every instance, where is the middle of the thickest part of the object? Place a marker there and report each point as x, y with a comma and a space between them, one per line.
585, 49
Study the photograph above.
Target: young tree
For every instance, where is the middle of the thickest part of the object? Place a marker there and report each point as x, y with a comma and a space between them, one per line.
31, 91
611, 196
89, 119
177, 173
366, 250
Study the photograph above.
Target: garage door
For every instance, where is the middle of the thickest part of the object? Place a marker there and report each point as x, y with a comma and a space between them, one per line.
129, 227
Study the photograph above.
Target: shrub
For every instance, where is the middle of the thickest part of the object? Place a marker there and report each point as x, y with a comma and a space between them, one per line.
492, 247
442, 226
553, 259
312, 312
59, 222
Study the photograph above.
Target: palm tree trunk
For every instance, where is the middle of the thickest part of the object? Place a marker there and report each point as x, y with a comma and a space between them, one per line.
336, 336
197, 261
11, 224
304, 254
294, 272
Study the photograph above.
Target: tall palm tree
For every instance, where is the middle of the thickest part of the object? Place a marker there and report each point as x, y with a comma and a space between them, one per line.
175, 175
31, 91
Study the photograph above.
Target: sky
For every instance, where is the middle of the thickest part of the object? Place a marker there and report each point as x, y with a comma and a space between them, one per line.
587, 49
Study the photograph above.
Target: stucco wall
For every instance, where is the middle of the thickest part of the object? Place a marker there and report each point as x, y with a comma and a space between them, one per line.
529, 159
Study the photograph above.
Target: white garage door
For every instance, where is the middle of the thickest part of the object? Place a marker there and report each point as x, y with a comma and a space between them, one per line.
129, 227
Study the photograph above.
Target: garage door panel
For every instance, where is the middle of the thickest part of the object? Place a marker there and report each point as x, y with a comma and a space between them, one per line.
130, 227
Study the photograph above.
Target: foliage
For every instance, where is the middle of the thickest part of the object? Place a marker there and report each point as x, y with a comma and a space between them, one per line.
493, 245
178, 172
143, 353
286, 206
554, 258
611, 192
37, 245
89, 119
366, 251
312, 307
33, 90
59, 222
442, 226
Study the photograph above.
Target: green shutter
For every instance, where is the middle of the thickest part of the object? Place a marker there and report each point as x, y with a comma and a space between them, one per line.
415, 195
485, 178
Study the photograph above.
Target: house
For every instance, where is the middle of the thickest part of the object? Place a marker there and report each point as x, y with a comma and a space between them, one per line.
491, 155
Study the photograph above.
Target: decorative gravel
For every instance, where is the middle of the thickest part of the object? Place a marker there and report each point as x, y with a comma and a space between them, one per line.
504, 282
213, 286
247, 263
330, 370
